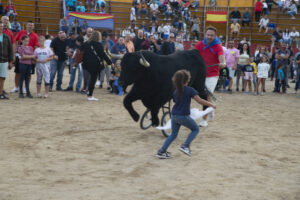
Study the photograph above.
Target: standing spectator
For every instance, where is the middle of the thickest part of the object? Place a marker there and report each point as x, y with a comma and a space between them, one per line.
88, 34
294, 34
280, 79
168, 12
106, 39
93, 56
6, 31
270, 4
168, 47
26, 57
129, 44
119, 47
6, 58
264, 24
179, 44
154, 46
235, 28
139, 40
232, 58
167, 30
195, 4
153, 8
48, 40
75, 27
33, 43
212, 52
43, 56
293, 10
132, 15
100, 5
297, 70
71, 5
80, 7
64, 25
282, 57
254, 71
248, 77
235, 15
84, 27
265, 8
279, 4
10, 10
262, 74
195, 27
59, 48
15, 26
246, 17
143, 9
258, 10
144, 27
243, 60
286, 5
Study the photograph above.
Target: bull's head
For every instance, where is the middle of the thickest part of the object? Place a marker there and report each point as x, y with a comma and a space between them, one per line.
132, 64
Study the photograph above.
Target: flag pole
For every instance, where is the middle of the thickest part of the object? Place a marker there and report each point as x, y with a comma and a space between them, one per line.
228, 6
204, 19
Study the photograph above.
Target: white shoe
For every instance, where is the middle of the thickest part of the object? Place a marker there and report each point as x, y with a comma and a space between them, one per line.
294, 92
97, 83
203, 123
211, 116
14, 90
93, 99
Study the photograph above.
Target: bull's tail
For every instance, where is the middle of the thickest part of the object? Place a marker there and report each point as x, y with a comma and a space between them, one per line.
212, 96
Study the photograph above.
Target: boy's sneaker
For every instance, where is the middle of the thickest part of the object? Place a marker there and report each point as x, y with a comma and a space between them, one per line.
255, 93
3, 97
14, 90
21, 96
294, 92
92, 99
229, 91
262, 94
29, 96
203, 123
185, 150
163, 155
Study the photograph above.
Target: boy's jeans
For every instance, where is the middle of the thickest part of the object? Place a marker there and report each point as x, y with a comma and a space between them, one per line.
177, 121
73, 75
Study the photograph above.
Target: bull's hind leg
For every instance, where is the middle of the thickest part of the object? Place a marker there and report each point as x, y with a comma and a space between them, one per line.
128, 100
154, 117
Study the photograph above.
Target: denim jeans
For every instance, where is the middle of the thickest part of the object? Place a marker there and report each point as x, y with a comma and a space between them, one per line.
177, 121
24, 76
145, 11
73, 75
255, 80
13, 14
297, 85
57, 66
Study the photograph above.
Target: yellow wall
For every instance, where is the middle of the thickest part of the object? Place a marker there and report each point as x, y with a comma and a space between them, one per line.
233, 3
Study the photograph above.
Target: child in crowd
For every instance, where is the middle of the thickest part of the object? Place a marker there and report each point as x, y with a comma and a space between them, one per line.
262, 74
43, 56
180, 113
254, 71
224, 76
297, 85
280, 81
26, 56
248, 76
115, 74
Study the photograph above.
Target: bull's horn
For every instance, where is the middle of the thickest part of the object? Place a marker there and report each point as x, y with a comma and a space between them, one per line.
143, 61
115, 56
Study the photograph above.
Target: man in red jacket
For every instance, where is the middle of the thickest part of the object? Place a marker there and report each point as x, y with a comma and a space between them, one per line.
212, 52
258, 10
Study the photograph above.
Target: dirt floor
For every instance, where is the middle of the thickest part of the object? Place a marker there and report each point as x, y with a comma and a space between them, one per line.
66, 148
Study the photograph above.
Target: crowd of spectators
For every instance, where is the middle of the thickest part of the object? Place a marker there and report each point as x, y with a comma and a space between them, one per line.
97, 6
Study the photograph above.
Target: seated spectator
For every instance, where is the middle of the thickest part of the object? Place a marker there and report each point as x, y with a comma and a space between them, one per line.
286, 37
195, 30
235, 28
71, 4
265, 8
153, 8
100, 6
195, 4
15, 26
143, 9
125, 31
1, 9
243, 41
154, 17
235, 15
132, 15
295, 36
246, 17
186, 15
10, 10
153, 28
179, 44
293, 10
64, 25
286, 5
144, 27
168, 12
80, 7
89, 4
276, 36
270, 4
264, 24
279, 4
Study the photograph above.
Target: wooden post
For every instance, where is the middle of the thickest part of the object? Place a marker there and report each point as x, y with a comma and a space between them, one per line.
37, 18
228, 6
204, 17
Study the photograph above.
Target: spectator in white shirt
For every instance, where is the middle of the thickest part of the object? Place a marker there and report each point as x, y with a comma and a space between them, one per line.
167, 30
286, 36
264, 24
292, 10
294, 34
132, 14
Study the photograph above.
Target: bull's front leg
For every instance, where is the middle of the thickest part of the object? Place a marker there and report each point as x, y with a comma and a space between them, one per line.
154, 117
128, 100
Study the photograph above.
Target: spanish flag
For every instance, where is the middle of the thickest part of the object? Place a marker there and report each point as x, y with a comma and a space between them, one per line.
90, 16
216, 16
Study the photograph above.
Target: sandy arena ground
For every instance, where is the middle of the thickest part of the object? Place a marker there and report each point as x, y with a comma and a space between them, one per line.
66, 148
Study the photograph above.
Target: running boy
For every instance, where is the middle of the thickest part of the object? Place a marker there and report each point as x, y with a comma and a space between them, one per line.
180, 113
43, 56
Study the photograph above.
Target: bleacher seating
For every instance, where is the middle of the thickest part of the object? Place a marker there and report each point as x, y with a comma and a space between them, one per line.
47, 13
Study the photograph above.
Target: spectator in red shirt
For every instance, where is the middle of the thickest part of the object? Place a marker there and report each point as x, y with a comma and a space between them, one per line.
212, 52
10, 10
258, 10
33, 42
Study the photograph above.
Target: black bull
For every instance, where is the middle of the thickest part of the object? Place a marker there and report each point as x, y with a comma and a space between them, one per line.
153, 85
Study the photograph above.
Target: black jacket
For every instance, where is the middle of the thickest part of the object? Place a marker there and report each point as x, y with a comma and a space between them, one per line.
91, 61
6, 53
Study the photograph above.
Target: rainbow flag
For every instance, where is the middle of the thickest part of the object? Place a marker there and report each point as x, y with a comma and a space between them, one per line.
216, 16
94, 20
